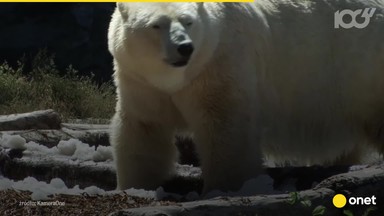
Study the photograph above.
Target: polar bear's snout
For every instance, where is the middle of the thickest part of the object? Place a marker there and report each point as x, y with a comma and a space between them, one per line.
178, 46
180, 54
185, 49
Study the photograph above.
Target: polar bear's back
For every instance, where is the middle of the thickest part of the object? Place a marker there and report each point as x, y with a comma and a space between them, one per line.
324, 87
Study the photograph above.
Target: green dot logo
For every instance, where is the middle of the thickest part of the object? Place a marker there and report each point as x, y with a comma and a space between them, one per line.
339, 200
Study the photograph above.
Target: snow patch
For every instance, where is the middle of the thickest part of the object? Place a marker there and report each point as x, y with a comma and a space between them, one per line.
13, 141
102, 153
73, 148
42, 190
67, 147
357, 168
32, 147
83, 151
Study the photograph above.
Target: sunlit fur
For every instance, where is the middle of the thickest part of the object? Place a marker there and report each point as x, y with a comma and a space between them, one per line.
272, 76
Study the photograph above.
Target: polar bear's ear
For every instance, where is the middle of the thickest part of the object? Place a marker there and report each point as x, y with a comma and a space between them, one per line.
122, 9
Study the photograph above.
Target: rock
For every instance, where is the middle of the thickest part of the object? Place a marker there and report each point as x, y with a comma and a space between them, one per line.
45, 167
50, 138
365, 183
42, 119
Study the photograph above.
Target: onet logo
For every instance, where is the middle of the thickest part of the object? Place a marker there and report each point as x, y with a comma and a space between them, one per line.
339, 200
366, 14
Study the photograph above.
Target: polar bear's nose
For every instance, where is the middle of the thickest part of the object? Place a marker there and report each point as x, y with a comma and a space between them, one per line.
185, 49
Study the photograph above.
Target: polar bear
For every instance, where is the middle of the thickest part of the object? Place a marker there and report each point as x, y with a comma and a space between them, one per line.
273, 78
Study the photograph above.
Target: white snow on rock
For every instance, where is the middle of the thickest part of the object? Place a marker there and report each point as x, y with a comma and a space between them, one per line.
73, 148
102, 153
12, 141
83, 151
32, 147
42, 190
77, 151
74, 151
67, 147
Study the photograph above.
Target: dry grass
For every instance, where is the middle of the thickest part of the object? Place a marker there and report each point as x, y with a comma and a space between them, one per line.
44, 87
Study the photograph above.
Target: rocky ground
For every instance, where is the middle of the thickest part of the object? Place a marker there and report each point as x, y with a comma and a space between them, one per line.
11, 204
294, 190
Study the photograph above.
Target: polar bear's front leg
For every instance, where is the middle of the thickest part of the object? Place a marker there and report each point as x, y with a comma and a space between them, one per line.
227, 141
230, 156
143, 152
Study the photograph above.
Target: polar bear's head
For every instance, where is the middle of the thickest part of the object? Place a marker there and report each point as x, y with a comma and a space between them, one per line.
160, 41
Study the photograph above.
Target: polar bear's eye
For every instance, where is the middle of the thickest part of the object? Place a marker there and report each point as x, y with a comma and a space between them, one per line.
155, 26
186, 20
188, 24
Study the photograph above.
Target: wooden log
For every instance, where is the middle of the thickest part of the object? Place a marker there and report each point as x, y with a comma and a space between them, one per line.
42, 119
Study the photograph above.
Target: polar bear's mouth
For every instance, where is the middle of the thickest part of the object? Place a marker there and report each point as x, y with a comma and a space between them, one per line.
180, 63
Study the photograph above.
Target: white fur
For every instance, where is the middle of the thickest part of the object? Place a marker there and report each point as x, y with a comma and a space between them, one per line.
272, 75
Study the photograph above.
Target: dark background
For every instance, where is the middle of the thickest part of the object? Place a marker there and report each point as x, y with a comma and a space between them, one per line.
75, 33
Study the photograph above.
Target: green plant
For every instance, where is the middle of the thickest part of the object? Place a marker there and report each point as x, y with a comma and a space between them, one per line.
318, 211
294, 198
369, 210
347, 212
